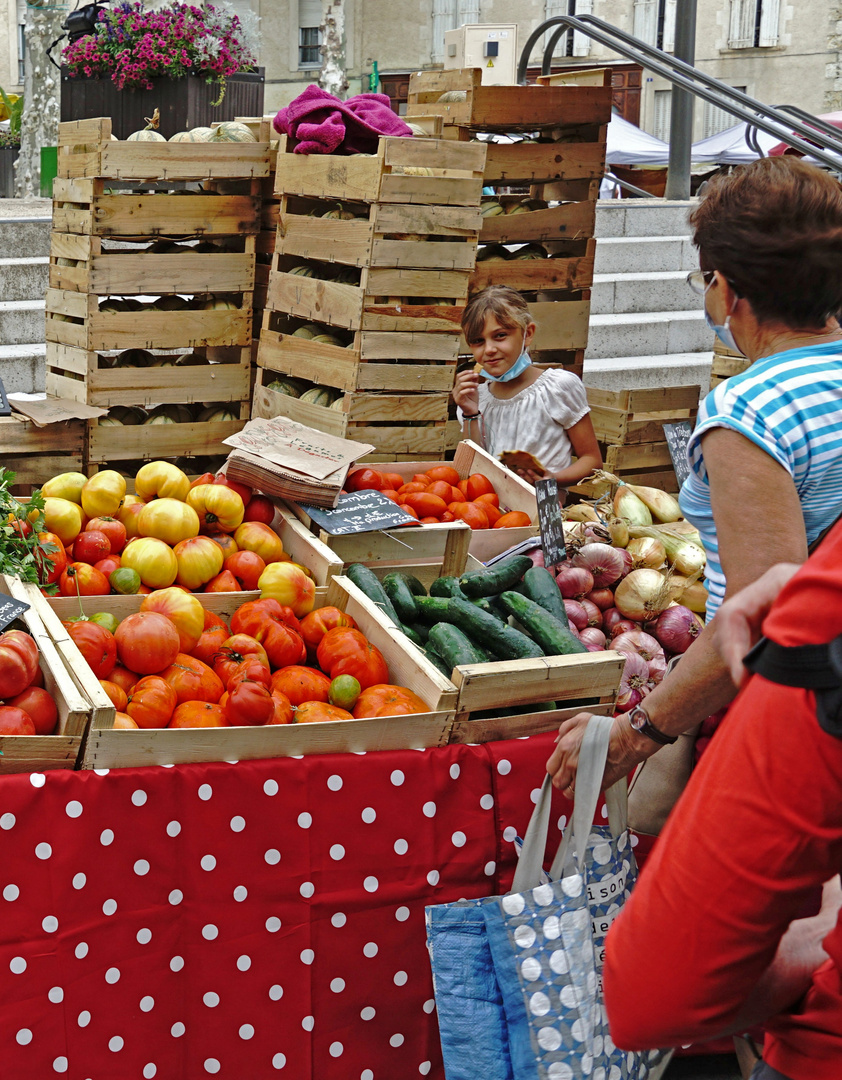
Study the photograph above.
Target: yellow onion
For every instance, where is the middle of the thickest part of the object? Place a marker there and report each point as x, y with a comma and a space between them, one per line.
642, 595
647, 552
682, 554
662, 506
619, 531
629, 507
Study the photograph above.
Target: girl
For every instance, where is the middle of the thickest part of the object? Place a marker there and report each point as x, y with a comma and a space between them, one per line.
522, 407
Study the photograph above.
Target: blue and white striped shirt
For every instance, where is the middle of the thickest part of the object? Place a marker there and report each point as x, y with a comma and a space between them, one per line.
789, 404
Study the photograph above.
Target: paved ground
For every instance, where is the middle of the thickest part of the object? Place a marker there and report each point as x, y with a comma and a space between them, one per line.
25, 208
711, 1067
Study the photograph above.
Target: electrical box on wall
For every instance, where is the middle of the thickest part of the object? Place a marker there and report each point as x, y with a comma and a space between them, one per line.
489, 46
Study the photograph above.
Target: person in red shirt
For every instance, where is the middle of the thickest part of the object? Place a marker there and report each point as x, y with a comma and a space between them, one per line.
710, 942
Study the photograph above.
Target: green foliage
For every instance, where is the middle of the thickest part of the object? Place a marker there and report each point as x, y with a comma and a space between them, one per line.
19, 555
15, 110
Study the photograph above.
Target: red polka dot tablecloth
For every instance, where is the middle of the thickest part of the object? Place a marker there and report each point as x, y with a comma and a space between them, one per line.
245, 921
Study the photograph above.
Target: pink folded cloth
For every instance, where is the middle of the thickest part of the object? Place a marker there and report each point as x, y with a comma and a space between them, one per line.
323, 124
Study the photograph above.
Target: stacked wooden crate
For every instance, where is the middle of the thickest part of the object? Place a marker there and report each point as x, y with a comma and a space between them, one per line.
368, 281
151, 289
546, 174
726, 363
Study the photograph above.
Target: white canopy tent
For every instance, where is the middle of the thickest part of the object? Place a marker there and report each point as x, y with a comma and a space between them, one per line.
628, 145
729, 147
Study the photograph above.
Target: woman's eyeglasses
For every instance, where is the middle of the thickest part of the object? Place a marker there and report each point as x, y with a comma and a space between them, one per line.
699, 280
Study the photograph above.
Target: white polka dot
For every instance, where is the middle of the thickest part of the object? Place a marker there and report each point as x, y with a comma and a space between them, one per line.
424, 1068
106, 837
334, 782
504, 767
81, 950
635, 840
7, 821
534, 795
60, 1063
458, 839
562, 821
240, 893
371, 884
397, 778
489, 868
139, 797
205, 792
208, 862
366, 1074
402, 914
17, 965
173, 828
210, 999
144, 936
73, 808
369, 815
246, 1031
400, 978
112, 975
37, 779
141, 867
115, 1044
49, 924
401, 847
307, 956
237, 824
509, 833
278, 1061
307, 889
337, 852
370, 949
243, 962
272, 856
101, 772
79, 881
486, 802
368, 1013
177, 1030
305, 820
23, 1037
433, 877
83, 1019
43, 851
455, 770
308, 1023
212, 1065
55, 994
147, 1004
273, 924
396, 1040
337, 985
175, 897
210, 932
270, 787
109, 907
276, 992
429, 809
150, 1071
11, 892
336, 1049
177, 963
338, 919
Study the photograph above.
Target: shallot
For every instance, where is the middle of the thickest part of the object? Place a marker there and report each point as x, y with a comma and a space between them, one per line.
603, 562
576, 614
677, 628
593, 639
594, 614
612, 618
574, 582
638, 642
596, 534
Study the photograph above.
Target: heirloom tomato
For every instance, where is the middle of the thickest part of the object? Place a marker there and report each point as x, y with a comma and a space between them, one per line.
289, 585
319, 712
249, 704
67, 485
233, 651
383, 699
344, 651
344, 691
151, 702
161, 480
192, 680
108, 565
246, 566
103, 493
198, 560
220, 508
90, 546
147, 642
105, 619
113, 528
39, 706
116, 694
212, 619
50, 563
15, 721
259, 508
254, 536
283, 709
250, 670
275, 627
226, 542
223, 582
122, 721
64, 518
193, 714
124, 580
169, 520
96, 644
182, 609
129, 513
18, 662
154, 560
123, 677
82, 579
243, 490
301, 684
209, 644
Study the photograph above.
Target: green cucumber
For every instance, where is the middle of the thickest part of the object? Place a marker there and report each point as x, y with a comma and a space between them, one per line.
421, 629
495, 579
504, 641
413, 584
413, 635
545, 628
400, 594
431, 609
369, 583
540, 586
484, 604
437, 662
454, 647
446, 586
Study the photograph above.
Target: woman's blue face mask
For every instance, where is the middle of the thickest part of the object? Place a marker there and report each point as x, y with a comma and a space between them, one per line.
722, 330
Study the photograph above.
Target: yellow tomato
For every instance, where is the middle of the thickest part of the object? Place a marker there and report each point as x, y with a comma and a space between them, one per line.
153, 559
257, 537
168, 520
67, 485
161, 480
64, 518
128, 514
218, 507
199, 559
103, 494
289, 585
181, 608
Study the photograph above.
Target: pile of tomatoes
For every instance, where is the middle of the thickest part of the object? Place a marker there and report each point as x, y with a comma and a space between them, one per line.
212, 534
27, 708
439, 495
174, 664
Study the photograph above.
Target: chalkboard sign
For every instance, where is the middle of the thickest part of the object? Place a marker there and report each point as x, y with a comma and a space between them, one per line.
549, 521
10, 609
360, 511
678, 437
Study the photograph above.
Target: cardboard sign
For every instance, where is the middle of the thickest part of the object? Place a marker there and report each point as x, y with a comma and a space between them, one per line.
360, 511
297, 447
550, 523
10, 609
678, 438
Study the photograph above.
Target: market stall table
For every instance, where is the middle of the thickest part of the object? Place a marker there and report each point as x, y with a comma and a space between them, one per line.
246, 919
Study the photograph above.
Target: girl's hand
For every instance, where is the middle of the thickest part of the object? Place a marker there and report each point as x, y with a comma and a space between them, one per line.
466, 391
531, 476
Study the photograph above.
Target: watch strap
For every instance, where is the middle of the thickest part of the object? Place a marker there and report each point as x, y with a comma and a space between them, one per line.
639, 720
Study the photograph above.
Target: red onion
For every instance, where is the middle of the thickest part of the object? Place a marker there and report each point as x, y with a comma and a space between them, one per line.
677, 628
635, 677
596, 534
593, 638
627, 700
604, 562
612, 617
639, 643
576, 614
573, 628
574, 582
537, 556
603, 598
657, 669
623, 627
594, 614
628, 562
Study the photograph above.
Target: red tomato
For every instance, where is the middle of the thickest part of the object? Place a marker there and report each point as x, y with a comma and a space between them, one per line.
315, 625
384, 699
364, 479
152, 702
224, 582
147, 642
91, 546
478, 485
118, 696
242, 489
246, 566
96, 644
39, 706
225, 541
212, 619
194, 714
344, 651
275, 627
108, 565
250, 670
82, 579
113, 528
123, 677
233, 651
209, 644
249, 704
18, 662
50, 562
301, 684
192, 680
283, 709
205, 478
259, 508
15, 721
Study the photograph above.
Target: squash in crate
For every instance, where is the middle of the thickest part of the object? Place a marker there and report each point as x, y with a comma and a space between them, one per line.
231, 131
320, 395
290, 387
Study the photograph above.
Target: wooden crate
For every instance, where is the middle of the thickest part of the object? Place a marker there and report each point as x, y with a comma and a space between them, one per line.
86, 149
567, 221
567, 156
624, 417
35, 454
504, 108
726, 363
568, 273
36, 753
145, 442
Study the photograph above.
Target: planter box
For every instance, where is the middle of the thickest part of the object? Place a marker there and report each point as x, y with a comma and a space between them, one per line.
183, 103
8, 157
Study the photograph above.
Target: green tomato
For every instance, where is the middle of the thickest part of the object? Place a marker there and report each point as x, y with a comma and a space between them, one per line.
106, 619
124, 580
344, 691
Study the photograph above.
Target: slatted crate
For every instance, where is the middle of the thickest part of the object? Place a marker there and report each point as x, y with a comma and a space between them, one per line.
36, 453
726, 363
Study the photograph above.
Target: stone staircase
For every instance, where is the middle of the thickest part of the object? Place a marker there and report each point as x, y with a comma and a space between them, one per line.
24, 259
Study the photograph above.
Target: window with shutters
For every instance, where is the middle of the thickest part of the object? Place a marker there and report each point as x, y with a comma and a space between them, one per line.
716, 120
654, 22
575, 44
754, 24
445, 18
309, 35
663, 107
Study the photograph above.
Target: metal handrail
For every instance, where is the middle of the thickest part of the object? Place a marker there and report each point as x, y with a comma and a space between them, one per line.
765, 117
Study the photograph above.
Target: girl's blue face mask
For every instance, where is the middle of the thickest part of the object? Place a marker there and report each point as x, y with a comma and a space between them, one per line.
518, 367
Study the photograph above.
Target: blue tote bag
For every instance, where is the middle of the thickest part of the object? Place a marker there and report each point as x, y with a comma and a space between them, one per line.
517, 978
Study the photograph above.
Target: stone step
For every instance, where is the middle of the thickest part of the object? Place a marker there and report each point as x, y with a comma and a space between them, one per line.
656, 333
22, 368
24, 237
645, 372
643, 217
645, 254
657, 291
23, 279
22, 322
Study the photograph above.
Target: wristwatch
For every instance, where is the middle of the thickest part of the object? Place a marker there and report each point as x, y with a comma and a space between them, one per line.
639, 720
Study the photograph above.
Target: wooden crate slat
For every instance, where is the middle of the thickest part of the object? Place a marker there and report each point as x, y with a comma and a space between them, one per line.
149, 441
122, 275
537, 275
538, 163
570, 221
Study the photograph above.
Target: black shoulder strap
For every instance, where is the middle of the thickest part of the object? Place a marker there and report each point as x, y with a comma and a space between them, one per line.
810, 667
